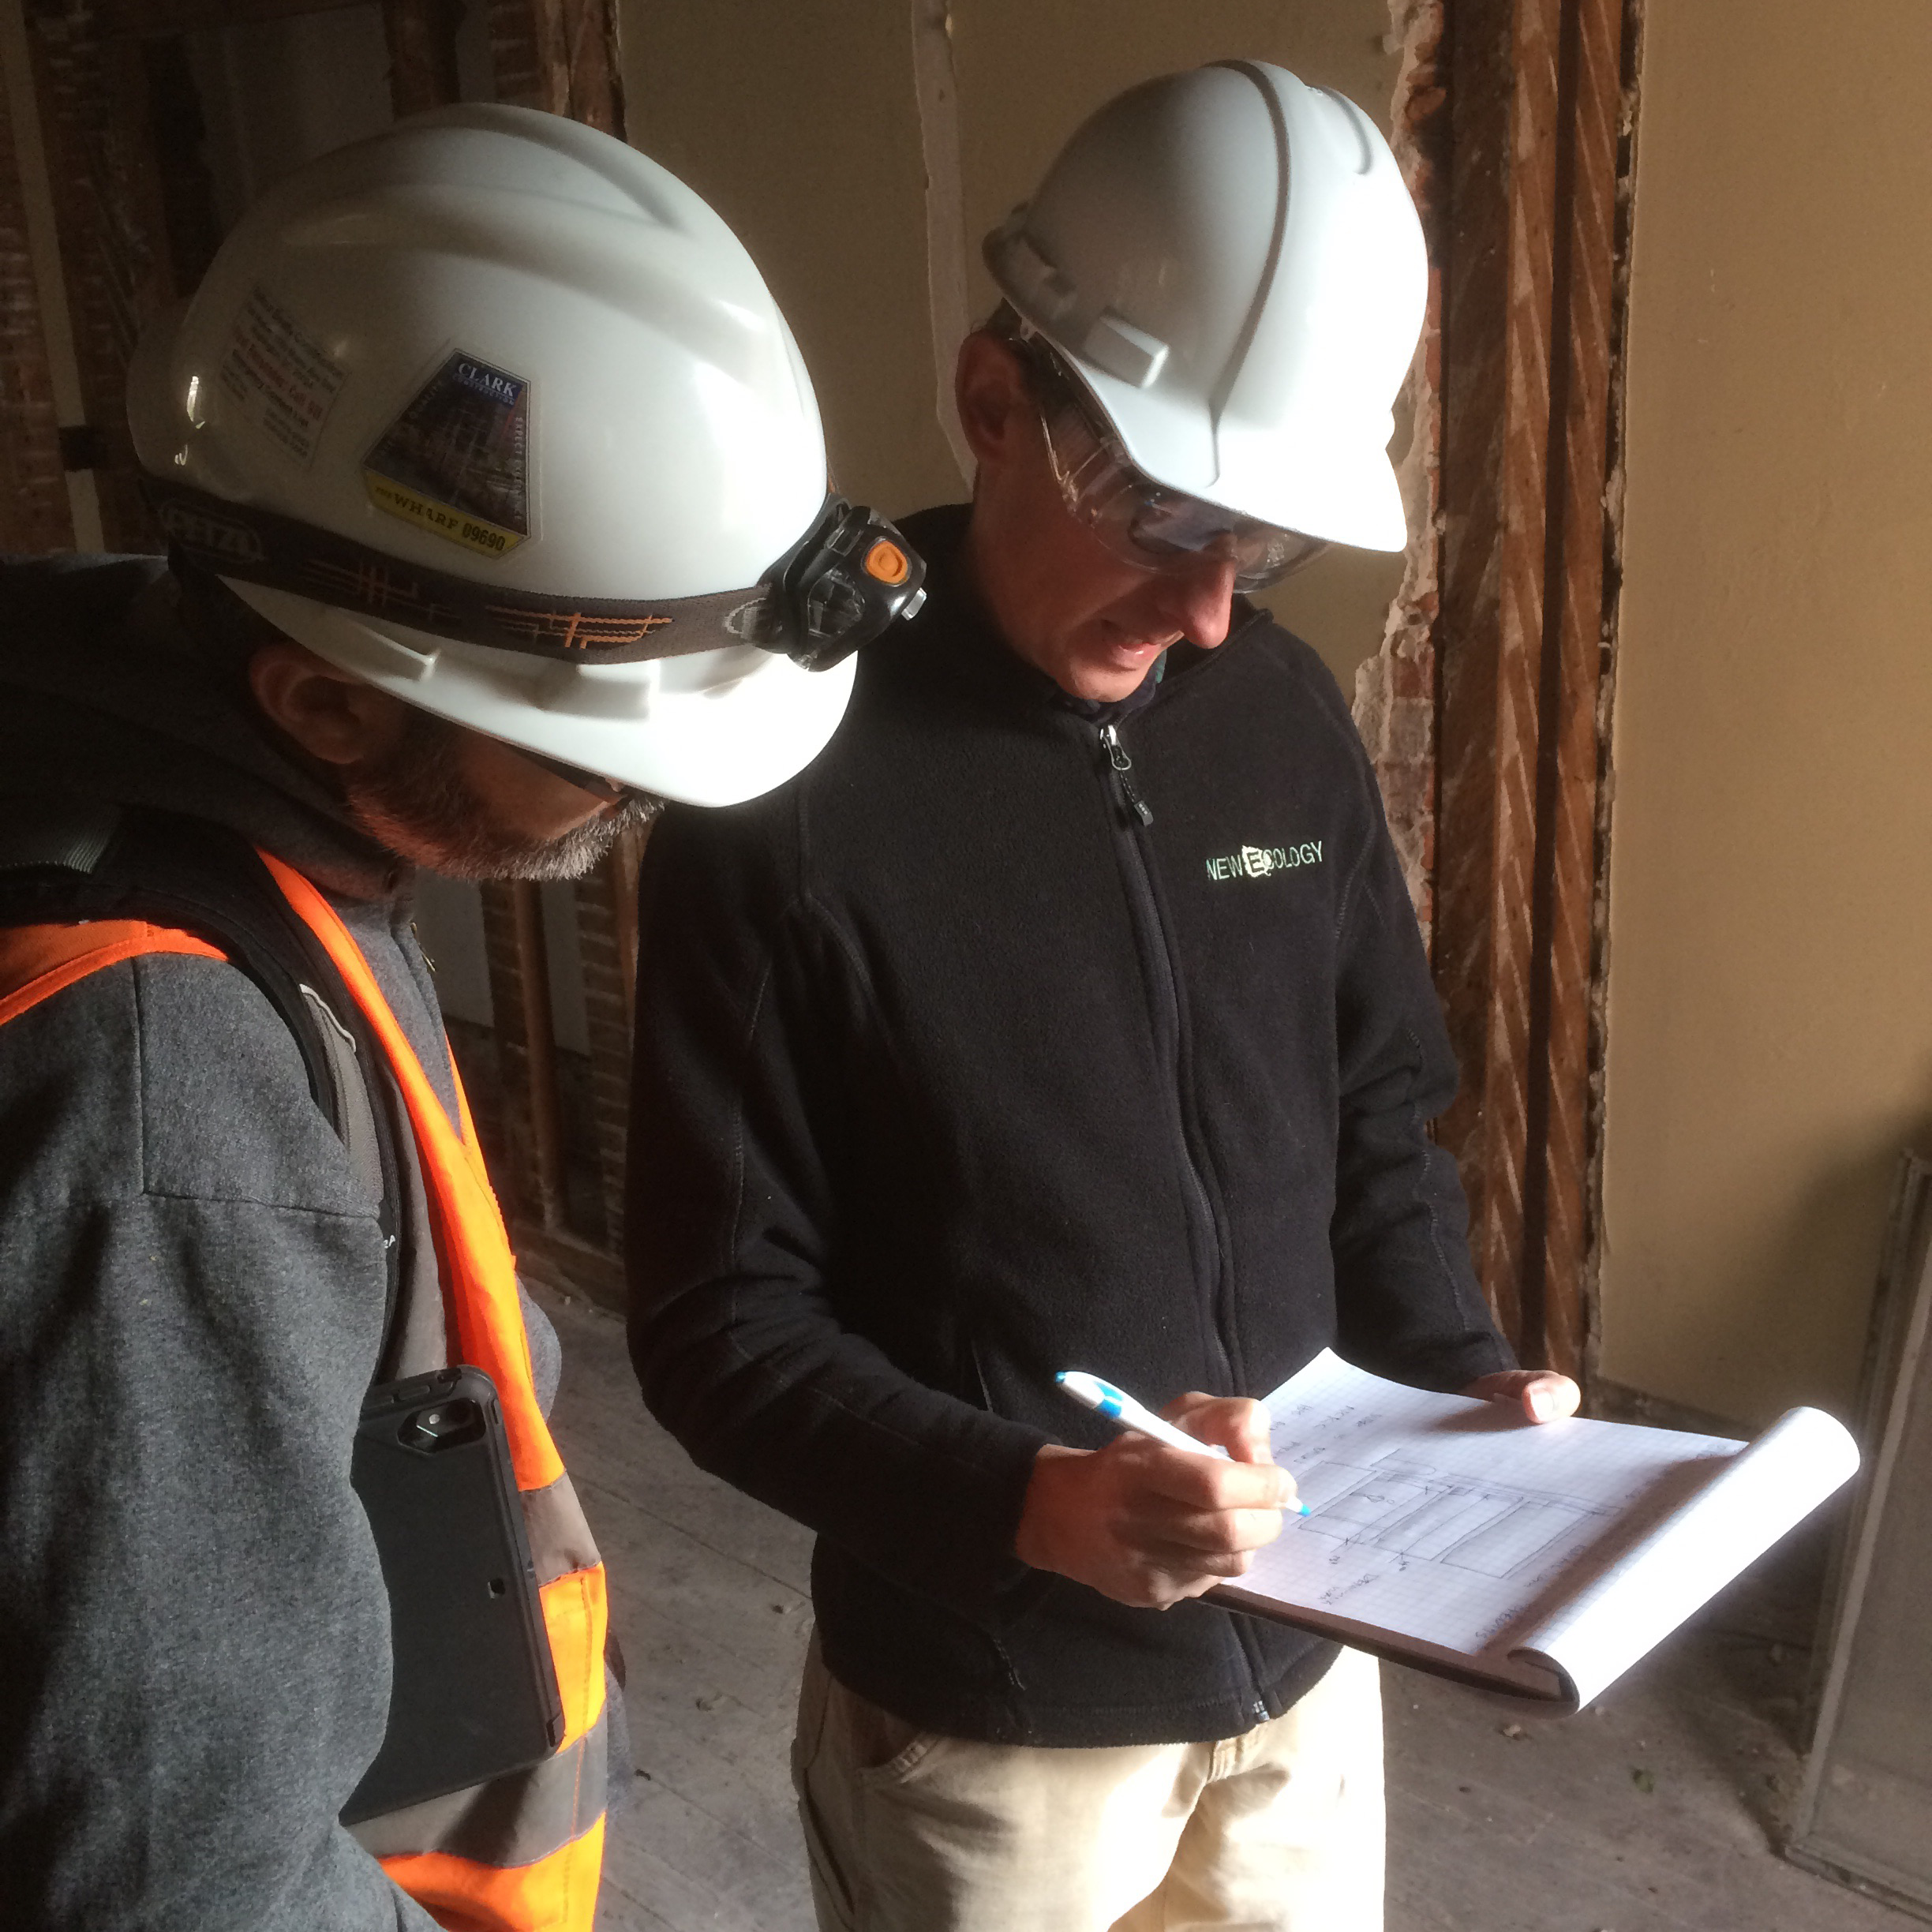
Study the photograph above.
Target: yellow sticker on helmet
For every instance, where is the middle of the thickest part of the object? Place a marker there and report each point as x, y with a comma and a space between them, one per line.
455, 463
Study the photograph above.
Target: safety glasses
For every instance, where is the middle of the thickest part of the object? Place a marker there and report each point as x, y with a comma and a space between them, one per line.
1141, 521
597, 785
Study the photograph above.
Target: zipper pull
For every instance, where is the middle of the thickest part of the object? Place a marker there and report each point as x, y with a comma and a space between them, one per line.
1123, 769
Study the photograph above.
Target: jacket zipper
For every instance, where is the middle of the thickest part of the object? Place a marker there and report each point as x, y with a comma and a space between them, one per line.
1123, 774
1137, 815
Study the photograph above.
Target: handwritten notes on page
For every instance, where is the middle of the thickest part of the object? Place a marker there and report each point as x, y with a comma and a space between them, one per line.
1543, 1559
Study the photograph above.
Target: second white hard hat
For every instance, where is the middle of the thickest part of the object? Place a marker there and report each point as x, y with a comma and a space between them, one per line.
495, 413
1231, 262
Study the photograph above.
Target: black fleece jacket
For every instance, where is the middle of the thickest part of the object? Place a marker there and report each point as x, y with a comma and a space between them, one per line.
955, 1070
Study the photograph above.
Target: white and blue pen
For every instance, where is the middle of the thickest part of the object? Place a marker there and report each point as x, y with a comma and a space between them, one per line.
1090, 1392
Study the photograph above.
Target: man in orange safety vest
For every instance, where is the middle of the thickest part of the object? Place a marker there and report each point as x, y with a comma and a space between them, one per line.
495, 493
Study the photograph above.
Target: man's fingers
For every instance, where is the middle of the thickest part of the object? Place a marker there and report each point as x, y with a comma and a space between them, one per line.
1146, 1524
1201, 1533
1188, 1569
1550, 1397
1209, 1484
1239, 1426
1232, 1533
1542, 1394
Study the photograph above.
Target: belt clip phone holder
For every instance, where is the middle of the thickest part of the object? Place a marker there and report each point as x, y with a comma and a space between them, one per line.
472, 1691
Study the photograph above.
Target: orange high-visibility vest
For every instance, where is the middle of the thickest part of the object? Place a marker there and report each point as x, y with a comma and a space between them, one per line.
522, 1853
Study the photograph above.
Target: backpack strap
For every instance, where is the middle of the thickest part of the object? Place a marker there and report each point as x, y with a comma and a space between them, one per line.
37, 961
99, 882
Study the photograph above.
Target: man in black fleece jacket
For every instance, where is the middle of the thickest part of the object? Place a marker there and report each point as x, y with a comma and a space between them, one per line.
1069, 1012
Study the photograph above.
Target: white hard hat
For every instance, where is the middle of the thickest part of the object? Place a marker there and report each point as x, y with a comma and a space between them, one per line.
1231, 262
494, 412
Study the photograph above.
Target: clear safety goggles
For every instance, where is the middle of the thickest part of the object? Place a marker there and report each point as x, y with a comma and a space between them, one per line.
1142, 522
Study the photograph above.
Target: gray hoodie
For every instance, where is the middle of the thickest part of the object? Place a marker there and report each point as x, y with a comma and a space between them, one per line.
194, 1637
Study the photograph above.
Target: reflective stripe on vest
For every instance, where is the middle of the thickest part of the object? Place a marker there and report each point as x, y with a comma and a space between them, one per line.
522, 1853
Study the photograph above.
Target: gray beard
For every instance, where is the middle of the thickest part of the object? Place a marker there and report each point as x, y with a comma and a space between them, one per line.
418, 804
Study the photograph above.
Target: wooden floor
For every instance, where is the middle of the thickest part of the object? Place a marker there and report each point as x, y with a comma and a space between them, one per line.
1655, 1814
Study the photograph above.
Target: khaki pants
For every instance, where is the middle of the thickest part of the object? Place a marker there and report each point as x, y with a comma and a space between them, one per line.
1277, 1830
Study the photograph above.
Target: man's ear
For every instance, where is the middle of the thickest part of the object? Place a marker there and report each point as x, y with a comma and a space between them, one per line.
332, 714
995, 403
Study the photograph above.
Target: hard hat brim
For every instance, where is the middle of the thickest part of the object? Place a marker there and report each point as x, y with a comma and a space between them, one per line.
1323, 482
717, 728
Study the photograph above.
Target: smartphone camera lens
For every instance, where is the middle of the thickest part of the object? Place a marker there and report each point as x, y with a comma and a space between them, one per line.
443, 1426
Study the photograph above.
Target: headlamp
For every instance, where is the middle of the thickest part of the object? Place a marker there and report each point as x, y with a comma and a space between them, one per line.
837, 588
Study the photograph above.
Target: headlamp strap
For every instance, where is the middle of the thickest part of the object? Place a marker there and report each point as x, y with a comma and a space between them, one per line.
262, 546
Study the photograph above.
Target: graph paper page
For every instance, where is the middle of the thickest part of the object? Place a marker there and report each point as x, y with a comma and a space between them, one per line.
1455, 1522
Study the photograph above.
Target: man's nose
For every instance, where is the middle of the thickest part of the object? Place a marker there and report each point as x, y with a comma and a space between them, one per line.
1195, 594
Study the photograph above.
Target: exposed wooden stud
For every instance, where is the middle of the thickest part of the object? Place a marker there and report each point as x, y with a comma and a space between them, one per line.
1569, 862
1535, 95
620, 871
560, 55
1496, 402
421, 34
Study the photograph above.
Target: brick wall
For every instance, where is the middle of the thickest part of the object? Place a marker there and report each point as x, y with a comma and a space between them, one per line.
606, 929
34, 513
113, 231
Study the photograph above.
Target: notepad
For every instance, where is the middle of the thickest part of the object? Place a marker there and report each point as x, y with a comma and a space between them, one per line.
1539, 1559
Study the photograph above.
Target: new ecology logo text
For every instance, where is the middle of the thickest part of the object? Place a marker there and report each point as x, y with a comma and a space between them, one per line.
1259, 861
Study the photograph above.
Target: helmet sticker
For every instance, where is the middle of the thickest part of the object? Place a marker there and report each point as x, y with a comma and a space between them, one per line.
283, 379
456, 462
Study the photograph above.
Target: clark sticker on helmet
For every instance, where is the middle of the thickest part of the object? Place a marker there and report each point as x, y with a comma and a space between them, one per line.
455, 463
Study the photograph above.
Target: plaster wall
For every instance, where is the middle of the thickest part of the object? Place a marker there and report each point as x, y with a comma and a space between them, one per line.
802, 126
1769, 1028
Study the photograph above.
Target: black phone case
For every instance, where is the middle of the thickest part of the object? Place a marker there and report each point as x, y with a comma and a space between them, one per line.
474, 1693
